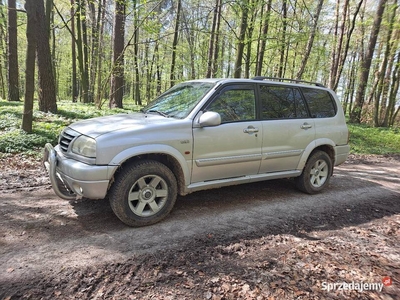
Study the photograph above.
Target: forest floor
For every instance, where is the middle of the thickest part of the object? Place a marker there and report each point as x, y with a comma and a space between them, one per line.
256, 241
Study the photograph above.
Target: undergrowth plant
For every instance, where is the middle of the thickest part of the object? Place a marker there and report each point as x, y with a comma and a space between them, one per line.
47, 127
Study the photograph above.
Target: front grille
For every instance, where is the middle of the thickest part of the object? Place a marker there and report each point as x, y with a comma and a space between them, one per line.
66, 137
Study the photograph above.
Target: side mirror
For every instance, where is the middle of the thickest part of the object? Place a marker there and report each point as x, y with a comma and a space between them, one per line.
210, 118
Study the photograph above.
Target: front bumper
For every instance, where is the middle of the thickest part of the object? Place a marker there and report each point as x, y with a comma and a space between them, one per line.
72, 179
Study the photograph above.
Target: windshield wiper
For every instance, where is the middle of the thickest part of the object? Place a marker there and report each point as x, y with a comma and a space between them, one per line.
158, 112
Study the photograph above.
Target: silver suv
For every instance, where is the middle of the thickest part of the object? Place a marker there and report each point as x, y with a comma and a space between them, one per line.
198, 135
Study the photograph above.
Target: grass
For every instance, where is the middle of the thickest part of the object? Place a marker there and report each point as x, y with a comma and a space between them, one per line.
47, 127
372, 140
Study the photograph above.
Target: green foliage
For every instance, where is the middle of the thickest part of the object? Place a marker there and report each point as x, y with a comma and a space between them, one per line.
17, 141
47, 127
371, 140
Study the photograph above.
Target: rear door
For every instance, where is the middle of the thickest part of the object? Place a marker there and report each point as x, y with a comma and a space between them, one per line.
324, 111
232, 149
287, 127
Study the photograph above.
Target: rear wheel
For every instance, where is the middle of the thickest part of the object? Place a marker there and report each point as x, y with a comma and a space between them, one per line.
143, 193
316, 174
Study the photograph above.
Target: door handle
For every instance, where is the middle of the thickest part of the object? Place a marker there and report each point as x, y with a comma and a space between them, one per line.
250, 130
306, 126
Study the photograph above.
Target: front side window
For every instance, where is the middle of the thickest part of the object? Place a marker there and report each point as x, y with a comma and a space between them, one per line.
235, 105
319, 102
280, 102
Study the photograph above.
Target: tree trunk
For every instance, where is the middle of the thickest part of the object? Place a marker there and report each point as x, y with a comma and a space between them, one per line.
380, 77
343, 56
31, 30
349, 91
13, 84
394, 89
74, 83
94, 53
212, 41
47, 90
281, 67
217, 41
355, 115
149, 61
136, 84
80, 16
86, 91
337, 42
175, 43
49, 7
3, 37
263, 37
241, 42
310, 40
2, 84
99, 91
158, 70
54, 54
117, 77
188, 30
49, 17
248, 44
395, 116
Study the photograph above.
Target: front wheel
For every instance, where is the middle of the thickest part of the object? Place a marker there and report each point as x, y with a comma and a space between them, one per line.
316, 173
143, 193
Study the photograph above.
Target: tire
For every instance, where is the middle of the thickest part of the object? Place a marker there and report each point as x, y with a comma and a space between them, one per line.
143, 193
316, 173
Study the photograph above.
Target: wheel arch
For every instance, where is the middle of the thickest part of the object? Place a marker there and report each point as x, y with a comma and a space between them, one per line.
325, 145
166, 155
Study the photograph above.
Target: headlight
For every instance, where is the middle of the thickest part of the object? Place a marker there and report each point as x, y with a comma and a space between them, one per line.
85, 146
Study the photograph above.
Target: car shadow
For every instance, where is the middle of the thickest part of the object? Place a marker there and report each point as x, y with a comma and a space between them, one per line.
354, 196
256, 209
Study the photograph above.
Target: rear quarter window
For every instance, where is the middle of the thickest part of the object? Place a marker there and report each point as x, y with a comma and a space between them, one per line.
320, 103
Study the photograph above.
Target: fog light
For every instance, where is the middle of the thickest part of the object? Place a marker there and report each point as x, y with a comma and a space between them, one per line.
78, 189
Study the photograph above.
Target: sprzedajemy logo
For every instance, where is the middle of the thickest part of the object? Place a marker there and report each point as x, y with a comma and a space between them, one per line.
357, 286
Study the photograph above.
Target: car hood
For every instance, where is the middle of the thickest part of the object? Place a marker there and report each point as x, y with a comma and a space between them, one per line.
101, 125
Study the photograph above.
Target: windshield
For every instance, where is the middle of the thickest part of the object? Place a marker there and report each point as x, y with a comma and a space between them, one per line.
179, 100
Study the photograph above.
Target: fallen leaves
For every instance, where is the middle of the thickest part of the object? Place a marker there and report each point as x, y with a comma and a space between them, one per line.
19, 171
279, 266
286, 267
293, 265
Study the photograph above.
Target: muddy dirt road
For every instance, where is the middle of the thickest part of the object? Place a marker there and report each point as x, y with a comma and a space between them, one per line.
53, 248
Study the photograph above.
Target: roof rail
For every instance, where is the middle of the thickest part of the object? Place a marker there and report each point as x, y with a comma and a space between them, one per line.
286, 79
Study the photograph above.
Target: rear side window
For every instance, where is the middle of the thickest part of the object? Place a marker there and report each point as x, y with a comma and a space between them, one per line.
320, 103
279, 102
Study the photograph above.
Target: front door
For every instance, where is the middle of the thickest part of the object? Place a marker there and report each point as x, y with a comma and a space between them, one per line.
233, 148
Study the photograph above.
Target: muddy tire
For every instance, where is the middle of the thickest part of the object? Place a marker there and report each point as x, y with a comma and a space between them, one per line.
316, 173
143, 193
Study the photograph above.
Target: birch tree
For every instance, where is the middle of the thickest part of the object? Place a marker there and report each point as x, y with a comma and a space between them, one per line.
310, 42
355, 115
